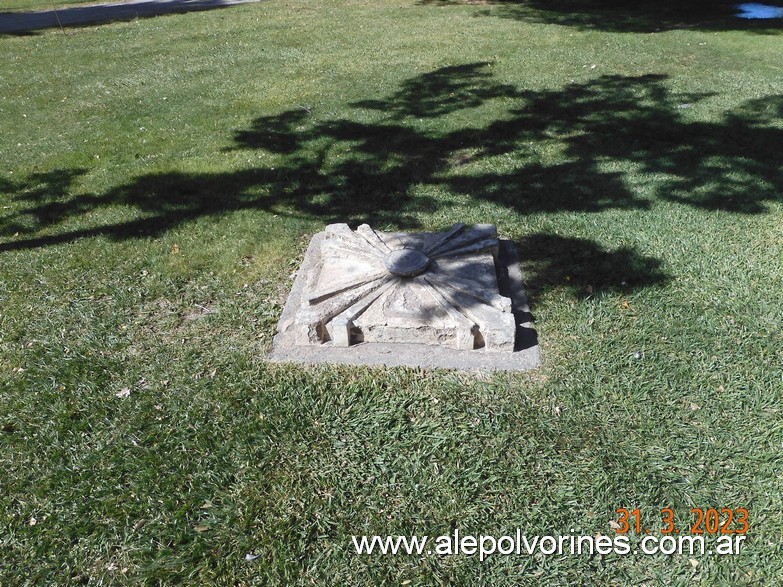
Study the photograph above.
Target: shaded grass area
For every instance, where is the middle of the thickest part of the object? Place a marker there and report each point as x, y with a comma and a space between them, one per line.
155, 205
19, 5
643, 16
366, 171
28, 23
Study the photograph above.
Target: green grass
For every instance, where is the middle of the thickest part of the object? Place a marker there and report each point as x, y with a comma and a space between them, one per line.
14, 5
159, 180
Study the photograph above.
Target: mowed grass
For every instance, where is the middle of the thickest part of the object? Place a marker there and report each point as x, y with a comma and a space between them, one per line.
21, 5
159, 181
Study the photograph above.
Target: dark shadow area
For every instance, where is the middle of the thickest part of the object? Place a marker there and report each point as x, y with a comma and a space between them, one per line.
441, 92
26, 22
583, 267
644, 16
511, 284
610, 135
47, 197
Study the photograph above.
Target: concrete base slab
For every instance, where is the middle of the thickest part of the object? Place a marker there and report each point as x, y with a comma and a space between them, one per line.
289, 347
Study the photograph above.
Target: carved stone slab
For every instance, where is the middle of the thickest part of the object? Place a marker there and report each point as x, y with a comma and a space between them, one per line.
426, 298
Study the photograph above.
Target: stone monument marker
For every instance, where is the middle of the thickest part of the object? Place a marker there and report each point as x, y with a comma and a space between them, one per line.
450, 299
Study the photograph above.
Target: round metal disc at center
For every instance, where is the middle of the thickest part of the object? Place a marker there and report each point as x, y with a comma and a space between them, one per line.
406, 262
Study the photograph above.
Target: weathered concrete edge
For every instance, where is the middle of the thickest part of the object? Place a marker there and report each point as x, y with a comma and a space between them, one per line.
526, 355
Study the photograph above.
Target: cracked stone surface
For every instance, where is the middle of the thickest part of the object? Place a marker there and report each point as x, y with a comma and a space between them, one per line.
427, 298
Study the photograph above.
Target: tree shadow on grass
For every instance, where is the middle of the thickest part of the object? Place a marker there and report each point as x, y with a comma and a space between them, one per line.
643, 16
46, 198
583, 267
586, 147
25, 23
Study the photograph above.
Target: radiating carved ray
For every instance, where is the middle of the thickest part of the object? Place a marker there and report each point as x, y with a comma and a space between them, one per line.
331, 307
497, 327
438, 239
465, 239
465, 336
491, 299
476, 247
340, 326
353, 240
476, 312
323, 294
372, 238
367, 255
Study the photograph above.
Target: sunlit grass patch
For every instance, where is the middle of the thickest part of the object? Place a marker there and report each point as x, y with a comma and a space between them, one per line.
160, 180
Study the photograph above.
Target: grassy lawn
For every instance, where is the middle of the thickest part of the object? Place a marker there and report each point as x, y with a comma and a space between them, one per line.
14, 5
159, 180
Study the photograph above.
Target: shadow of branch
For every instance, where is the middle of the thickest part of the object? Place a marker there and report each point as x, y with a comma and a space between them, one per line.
390, 171
585, 268
642, 16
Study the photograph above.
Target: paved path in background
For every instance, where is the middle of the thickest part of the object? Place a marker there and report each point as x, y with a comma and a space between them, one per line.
21, 22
